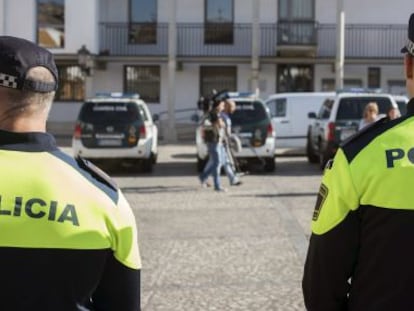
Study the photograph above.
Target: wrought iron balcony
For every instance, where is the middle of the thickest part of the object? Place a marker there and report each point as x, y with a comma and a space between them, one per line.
363, 41
292, 33
235, 40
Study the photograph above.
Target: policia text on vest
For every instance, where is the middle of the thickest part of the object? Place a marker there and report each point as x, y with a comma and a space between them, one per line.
396, 154
39, 209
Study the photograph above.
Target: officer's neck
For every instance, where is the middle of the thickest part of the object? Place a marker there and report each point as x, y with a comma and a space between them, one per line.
21, 125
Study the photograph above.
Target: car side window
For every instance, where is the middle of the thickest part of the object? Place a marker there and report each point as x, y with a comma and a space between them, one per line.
326, 109
143, 114
280, 107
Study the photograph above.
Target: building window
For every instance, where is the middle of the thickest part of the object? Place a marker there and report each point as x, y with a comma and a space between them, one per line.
374, 77
295, 78
330, 85
143, 21
217, 78
218, 26
296, 10
144, 80
51, 23
71, 84
296, 22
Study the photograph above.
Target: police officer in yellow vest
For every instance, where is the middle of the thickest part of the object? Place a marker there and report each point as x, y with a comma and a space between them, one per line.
68, 239
361, 251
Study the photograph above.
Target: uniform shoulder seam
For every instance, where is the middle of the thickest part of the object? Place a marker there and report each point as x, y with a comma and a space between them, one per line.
97, 173
354, 144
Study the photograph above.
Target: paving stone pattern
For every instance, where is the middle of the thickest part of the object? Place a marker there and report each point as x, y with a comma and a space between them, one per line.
240, 250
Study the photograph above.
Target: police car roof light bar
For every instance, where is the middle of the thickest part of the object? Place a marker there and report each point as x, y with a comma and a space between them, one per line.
359, 90
117, 95
241, 94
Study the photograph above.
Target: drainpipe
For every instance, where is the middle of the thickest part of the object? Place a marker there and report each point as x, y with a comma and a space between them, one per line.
171, 133
340, 45
255, 45
4, 17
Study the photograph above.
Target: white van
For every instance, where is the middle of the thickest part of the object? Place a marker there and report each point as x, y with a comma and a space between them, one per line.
289, 112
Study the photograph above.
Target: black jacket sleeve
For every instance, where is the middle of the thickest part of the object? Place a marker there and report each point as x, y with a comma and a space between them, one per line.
119, 288
329, 266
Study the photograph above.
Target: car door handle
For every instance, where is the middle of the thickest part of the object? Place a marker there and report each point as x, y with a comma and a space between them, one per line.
285, 121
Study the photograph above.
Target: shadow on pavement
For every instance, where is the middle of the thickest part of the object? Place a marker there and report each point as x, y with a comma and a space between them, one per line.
156, 189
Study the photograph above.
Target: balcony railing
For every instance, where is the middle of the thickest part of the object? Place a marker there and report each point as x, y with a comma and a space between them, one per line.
364, 41
292, 33
196, 40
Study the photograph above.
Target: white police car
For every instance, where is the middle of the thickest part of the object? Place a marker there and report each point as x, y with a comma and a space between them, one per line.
116, 127
251, 123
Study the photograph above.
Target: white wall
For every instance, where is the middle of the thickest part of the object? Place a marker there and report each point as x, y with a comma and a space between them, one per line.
20, 19
113, 11
360, 72
190, 11
366, 11
391, 73
3, 17
268, 11
267, 80
110, 80
188, 86
84, 26
64, 112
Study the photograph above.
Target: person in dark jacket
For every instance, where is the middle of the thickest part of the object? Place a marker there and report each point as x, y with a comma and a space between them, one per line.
68, 238
360, 255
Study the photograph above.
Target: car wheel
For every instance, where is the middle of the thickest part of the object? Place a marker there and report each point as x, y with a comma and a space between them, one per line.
323, 159
200, 164
310, 152
154, 157
147, 165
270, 164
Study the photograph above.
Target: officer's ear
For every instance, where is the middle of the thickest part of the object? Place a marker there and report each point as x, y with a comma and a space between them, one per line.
408, 64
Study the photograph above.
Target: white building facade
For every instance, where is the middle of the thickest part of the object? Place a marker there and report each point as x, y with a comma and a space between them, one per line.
172, 52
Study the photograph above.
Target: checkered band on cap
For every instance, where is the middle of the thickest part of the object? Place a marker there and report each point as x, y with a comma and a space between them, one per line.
8, 81
410, 46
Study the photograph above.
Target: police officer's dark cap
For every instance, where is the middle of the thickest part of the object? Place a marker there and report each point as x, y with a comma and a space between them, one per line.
409, 46
17, 56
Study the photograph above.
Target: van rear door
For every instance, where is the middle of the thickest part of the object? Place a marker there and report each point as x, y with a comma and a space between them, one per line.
280, 119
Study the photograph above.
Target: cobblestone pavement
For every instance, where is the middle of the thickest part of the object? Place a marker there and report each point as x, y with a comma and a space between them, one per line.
240, 250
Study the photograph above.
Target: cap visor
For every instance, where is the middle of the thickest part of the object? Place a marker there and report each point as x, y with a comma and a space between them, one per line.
404, 50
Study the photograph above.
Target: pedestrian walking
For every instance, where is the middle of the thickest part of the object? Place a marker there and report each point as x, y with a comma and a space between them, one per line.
228, 161
360, 254
213, 127
68, 236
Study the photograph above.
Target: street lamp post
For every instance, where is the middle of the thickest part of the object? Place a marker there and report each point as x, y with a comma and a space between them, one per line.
172, 66
85, 60
86, 64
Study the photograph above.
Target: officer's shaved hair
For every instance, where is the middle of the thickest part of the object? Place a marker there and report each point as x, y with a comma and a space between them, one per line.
26, 102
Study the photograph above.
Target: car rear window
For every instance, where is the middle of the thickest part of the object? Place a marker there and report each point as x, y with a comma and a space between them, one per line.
109, 112
402, 106
248, 112
352, 108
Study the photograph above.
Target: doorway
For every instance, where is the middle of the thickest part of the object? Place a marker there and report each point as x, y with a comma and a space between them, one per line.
294, 78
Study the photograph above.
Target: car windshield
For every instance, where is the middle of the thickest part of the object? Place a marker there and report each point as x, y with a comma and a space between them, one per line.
109, 112
248, 112
352, 108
